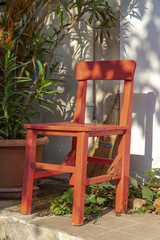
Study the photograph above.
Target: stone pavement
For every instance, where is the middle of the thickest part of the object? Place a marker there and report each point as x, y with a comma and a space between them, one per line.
14, 226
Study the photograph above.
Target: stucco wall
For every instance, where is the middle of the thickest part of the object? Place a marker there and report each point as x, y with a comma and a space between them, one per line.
140, 40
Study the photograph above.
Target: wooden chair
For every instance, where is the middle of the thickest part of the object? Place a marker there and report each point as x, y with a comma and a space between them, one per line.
76, 161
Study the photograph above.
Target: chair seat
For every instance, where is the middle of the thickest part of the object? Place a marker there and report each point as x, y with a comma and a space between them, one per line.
75, 127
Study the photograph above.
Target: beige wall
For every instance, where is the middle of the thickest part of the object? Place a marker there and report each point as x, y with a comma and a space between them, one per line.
140, 41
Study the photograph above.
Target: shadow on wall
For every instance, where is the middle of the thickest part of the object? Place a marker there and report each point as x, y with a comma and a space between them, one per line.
75, 47
143, 111
140, 34
129, 9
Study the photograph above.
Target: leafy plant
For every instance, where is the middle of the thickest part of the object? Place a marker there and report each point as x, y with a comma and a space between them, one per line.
62, 204
100, 196
97, 197
14, 92
27, 77
24, 86
147, 190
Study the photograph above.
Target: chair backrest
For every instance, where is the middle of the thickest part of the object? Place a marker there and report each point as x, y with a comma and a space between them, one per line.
105, 70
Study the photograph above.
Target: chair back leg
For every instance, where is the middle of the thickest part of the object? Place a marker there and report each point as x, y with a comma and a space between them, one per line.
123, 182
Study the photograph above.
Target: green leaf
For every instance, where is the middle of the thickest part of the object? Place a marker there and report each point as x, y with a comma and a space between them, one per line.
141, 210
147, 193
62, 18
45, 107
57, 211
153, 185
151, 207
101, 200
106, 185
65, 195
90, 18
66, 210
148, 202
92, 198
41, 70
150, 173
133, 181
3, 132
69, 199
137, 175
87, 199
53, 205
87, 210
70, 191
79, 6
157, 170
59, 14
68, 196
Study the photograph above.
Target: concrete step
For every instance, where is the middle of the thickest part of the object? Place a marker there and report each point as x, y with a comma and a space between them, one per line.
14, 226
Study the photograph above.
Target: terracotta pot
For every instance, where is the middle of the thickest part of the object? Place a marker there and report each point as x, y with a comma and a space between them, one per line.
12, 154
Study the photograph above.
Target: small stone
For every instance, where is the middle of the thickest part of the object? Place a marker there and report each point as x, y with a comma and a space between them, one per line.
149, 211
156, 204
154, 212
138, 203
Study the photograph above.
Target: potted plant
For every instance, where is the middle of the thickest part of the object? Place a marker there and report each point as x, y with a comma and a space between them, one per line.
26, 71
24, 88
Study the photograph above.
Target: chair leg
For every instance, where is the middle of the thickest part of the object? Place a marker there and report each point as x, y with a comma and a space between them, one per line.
28, 178
122, 184
80, 179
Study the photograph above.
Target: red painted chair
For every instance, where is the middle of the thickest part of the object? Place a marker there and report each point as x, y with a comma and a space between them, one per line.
76, 161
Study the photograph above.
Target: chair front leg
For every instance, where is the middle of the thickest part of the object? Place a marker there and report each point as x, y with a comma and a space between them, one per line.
123, 183
80, 178
28, 178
